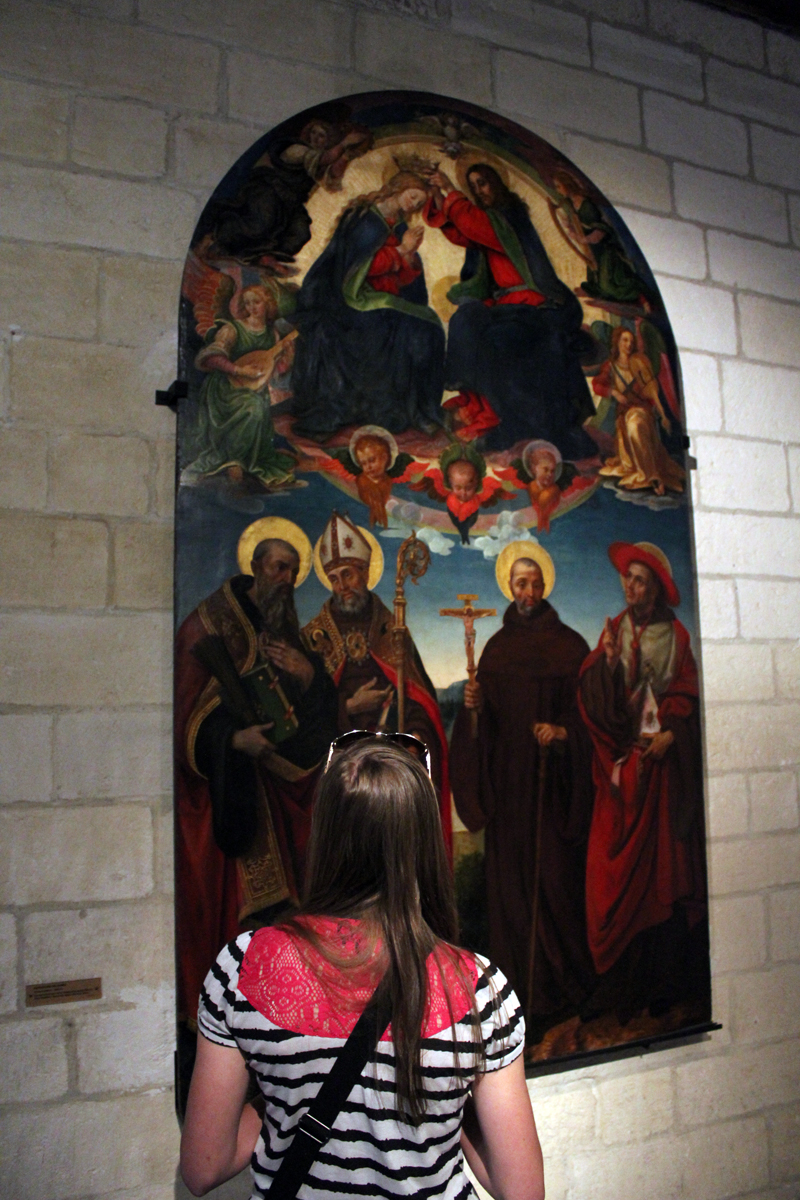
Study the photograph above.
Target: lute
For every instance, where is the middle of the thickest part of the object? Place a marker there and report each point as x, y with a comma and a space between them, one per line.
264, 360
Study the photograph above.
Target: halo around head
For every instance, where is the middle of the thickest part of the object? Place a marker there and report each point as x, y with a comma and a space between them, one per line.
375, 561
539, 444
458, 452
376, 431
474, 158
516, 550
274, 527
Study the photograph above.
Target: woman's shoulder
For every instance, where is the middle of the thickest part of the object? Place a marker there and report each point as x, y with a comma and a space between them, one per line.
227, 968
500, 1014
452, 980
220, 995
236, 957
225, 327
267, 955
490, 978
494, 994
641, 364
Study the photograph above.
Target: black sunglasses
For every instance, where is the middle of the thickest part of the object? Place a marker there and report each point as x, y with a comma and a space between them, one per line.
406, 741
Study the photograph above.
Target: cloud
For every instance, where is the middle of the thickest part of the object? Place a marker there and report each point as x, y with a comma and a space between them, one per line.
436, 542
509, 527
405, 517
645, 499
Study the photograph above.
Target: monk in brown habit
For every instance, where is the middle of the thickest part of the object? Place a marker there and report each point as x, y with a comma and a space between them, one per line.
525, 698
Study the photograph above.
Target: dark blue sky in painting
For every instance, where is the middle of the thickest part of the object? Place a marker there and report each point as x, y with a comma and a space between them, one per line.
587, 588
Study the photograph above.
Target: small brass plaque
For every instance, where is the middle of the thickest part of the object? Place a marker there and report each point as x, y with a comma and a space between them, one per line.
65, 991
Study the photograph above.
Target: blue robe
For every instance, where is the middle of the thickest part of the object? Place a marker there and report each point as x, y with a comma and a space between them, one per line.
364, 356
525, 360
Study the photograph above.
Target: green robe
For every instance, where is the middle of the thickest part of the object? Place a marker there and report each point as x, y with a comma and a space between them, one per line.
234, 426
615, 277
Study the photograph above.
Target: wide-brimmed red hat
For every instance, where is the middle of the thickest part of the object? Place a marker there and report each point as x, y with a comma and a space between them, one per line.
622, 554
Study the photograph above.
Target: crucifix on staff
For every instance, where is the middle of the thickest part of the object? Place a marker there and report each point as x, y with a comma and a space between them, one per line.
469, 616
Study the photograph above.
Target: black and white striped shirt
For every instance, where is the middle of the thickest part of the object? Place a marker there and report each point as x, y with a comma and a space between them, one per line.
373, 1150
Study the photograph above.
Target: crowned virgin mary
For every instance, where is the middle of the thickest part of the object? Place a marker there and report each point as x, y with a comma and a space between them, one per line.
370, 349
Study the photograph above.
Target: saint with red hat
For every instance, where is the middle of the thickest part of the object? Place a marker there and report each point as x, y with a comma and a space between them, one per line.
646, 893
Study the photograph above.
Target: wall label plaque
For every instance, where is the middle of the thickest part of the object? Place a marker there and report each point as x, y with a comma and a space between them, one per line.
64, 991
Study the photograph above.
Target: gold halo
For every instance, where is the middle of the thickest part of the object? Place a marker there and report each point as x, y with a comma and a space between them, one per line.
274, 527
374, 431
375, 561
471, 159
509, 555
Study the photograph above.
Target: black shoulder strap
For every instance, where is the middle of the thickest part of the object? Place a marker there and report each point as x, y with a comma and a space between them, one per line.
314, 1127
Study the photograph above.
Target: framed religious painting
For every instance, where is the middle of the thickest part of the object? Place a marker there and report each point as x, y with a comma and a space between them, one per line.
433, 478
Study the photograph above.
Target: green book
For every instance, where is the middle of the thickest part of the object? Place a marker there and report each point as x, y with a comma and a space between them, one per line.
269, 703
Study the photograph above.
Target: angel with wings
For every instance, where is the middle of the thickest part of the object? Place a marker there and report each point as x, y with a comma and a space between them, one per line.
243, 350
373, 460
610, 274
637, 377
461, 481
543, 474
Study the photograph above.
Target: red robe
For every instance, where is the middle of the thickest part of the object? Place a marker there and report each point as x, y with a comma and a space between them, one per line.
465, 224
390, 271
646, 842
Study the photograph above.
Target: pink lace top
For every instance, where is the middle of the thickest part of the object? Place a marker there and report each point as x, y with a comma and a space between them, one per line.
295, 986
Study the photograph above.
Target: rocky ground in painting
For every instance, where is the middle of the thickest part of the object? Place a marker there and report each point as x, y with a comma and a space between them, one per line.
577, 1037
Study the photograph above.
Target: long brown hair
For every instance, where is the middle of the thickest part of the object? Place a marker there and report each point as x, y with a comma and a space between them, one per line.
377, 851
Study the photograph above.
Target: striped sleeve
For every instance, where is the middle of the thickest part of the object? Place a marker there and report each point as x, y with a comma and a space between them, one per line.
502, 1022
220, 993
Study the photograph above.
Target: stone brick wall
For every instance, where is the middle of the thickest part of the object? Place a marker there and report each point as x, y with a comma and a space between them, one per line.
117, 118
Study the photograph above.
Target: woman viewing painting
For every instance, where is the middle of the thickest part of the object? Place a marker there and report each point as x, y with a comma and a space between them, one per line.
378, 926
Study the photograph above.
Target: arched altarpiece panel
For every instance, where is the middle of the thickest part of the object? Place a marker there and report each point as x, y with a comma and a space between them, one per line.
414, 314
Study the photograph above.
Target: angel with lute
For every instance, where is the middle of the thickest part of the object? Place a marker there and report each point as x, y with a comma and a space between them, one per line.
235, 435
374, 463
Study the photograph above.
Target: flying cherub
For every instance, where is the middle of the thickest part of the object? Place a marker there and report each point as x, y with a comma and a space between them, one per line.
545, 476
460, 480
373, 460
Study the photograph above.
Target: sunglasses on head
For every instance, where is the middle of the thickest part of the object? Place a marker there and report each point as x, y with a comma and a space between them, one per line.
406, 741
